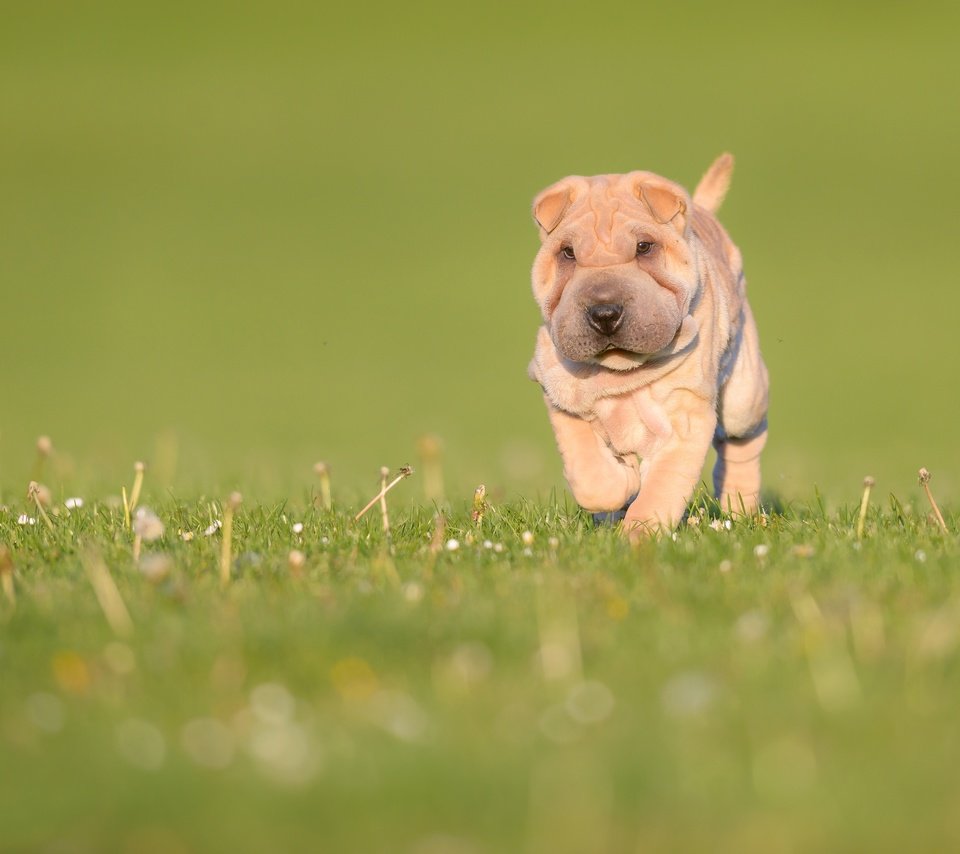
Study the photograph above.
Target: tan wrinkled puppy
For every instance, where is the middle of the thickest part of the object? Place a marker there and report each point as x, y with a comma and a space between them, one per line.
649, 351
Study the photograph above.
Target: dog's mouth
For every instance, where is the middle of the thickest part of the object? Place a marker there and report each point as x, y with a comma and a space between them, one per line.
613, 350
619, 358
615, 356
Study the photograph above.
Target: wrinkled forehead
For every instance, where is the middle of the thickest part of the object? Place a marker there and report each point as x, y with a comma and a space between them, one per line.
605, 220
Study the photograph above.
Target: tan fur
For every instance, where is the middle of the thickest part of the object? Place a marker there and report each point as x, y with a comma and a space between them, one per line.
631, 423
714, 184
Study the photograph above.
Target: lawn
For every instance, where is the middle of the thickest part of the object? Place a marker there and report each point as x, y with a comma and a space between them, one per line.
236, 239
523, 682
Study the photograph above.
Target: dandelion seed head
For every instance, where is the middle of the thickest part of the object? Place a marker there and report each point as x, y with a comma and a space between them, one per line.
147, 525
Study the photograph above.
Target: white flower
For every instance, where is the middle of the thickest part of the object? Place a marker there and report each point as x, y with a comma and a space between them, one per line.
186, 536
920, 555
761, 550
727, 524
73, 503
453, 545
212, 529
498, 547
297, 527
527, 537
726, 566
553, 542
716, 525
24, 519
488, 544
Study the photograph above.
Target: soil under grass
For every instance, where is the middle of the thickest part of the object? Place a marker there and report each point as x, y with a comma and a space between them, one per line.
773, 685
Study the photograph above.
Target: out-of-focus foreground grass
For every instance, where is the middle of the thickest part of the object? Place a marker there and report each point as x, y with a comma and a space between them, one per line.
234, 240
529, 684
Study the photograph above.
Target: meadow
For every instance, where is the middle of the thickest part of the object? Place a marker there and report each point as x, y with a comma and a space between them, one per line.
508, 680
235, 241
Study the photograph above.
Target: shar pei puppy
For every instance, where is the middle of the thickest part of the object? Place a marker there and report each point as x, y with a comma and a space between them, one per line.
648, 351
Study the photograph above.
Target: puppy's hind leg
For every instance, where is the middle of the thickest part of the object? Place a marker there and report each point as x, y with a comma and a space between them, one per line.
736, 474
742, 430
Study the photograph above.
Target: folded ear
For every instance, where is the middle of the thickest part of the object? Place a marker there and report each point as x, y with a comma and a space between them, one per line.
550, 206
665, 204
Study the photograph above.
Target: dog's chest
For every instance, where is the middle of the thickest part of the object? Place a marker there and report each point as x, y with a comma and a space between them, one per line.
634, 423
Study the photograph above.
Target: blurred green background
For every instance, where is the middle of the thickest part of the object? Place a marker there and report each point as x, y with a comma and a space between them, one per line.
238, 238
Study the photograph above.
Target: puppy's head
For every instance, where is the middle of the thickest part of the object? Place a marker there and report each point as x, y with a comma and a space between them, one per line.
614, 276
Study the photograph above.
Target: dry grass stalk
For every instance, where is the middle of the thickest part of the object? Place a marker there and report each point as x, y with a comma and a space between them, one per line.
405, 471
108, 595
146, 526
138, 469
130, 503
868, 483
39, 495
384, 515
439, 534
226, 544
924, 477
479, 505
6, 576
323, 472
44, 449
431, 459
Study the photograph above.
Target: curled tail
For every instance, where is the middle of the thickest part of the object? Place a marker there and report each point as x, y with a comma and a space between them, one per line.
714, 184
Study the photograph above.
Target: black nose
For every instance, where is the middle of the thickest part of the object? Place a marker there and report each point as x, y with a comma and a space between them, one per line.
605, 317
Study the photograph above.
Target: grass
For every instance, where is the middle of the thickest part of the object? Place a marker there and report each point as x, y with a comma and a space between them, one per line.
238, 240
774, 686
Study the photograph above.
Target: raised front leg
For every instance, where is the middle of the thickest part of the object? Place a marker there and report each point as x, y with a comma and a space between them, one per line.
600, 480
736, 475
671, 474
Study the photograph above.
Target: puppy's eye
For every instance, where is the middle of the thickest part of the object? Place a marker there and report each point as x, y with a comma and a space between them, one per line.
644, 247
568, 253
